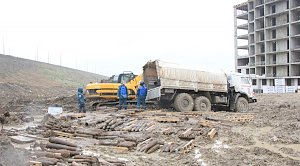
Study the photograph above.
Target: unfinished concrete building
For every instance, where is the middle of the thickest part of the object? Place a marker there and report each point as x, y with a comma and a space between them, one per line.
267, 41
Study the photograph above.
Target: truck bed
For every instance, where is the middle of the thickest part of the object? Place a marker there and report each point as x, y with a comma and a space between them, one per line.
158, 74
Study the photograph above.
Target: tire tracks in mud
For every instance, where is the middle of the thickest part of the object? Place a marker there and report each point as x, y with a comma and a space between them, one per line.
274, 148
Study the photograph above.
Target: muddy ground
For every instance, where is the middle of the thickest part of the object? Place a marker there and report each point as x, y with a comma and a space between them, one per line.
269, 134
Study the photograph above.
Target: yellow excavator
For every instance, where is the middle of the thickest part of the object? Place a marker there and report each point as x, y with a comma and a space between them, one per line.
105, 92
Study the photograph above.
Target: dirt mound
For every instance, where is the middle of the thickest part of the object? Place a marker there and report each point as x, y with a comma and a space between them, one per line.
30, 80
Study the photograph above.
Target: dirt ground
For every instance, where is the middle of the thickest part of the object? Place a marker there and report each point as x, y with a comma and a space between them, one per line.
269, 134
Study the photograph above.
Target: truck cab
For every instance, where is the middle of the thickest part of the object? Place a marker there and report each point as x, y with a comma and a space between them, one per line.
242, 84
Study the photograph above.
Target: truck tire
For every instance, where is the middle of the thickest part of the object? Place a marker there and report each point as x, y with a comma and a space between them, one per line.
184, 102
241, 105
202, 104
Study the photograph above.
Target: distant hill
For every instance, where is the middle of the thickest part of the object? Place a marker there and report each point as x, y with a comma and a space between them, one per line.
27, 79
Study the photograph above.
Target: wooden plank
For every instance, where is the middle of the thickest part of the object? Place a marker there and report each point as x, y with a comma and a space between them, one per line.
212, 133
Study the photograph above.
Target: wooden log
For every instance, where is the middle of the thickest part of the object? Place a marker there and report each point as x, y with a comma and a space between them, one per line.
48, 154
76, 164
173, 147
86, 157
102, 125
81, 160
153, 149
109, 120
61, 141
150, 145
107, 137
112, 122
93, 132
185, 148
83, 135
59, 146
65, 153
212, 133
115, 161
47, 160
145, 126
113, 133
61, 164
142, 145
35, 163
127, 144
108, 143
131, 139
117, 124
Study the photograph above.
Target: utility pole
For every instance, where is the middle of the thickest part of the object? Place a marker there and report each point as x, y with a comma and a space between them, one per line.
37, 54
76, 63
60, 59
48, 56
3, 45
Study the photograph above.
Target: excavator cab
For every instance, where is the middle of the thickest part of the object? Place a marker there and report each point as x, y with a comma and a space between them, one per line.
125, 76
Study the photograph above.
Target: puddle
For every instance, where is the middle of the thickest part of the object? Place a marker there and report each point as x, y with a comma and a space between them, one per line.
218, 145
198, 158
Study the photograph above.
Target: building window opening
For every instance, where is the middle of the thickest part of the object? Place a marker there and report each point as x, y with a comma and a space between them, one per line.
274, 46
273, 33
288, 82
273, 21
273, 9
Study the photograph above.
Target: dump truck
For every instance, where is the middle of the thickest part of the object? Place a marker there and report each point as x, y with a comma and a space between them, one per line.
188, 90
105, 92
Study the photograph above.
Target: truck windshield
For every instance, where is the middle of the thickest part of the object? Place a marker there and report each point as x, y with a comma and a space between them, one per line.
245, 80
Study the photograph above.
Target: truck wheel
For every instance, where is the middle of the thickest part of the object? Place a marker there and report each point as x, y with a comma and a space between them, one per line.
184, 102
203, 104
241, 105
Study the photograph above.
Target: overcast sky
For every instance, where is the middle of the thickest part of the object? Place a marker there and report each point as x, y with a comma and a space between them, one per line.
113, 36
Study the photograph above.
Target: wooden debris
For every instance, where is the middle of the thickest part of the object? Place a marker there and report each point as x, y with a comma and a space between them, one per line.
187, 147
167, 119
59, 146
62, 141
127, 144
35, 163
153, 149
212, 133
120, 150
108, 142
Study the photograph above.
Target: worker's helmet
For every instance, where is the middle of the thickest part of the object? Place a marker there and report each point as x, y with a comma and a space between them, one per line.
80, 89
123, 82
142, 83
